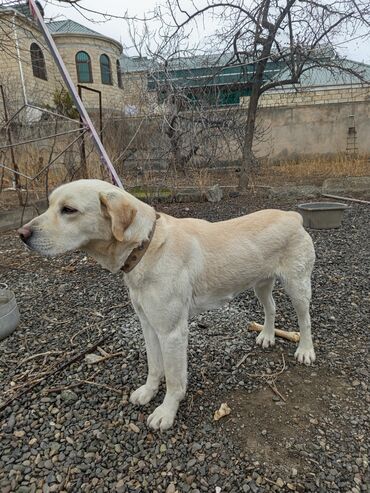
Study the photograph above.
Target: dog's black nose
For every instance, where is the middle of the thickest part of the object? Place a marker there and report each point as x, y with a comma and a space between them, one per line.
25, 233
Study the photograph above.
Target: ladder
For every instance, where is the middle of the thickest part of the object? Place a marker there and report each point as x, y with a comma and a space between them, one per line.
351, 147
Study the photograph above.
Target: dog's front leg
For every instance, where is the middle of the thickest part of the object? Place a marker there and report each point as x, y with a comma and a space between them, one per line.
174, 351
146, 392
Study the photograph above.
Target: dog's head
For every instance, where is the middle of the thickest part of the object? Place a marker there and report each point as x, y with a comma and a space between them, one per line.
87, 215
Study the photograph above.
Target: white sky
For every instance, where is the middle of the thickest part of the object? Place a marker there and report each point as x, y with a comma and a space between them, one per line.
358, 50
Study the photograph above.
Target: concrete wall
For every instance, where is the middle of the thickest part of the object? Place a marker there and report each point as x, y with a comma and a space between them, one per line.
313, 129
314, 121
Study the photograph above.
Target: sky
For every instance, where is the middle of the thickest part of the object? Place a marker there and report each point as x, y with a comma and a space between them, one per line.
355, 49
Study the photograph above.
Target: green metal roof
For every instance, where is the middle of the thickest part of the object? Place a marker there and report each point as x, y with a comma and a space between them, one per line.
136, 64
211, 70
211, 76
69, 26
326, 76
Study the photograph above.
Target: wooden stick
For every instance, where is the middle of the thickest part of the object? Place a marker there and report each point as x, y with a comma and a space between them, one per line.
241, 361
275, 390
349, 199
290, 336
104, 358
38, 356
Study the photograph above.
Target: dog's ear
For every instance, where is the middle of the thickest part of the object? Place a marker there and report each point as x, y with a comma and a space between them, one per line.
120, 212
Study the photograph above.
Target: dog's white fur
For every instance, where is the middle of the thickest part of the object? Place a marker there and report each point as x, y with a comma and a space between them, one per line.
190, 266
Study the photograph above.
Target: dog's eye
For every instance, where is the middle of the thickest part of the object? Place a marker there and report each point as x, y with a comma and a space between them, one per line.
68, 210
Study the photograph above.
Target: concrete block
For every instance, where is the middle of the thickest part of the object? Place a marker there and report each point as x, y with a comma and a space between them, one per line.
347, 184
195, 196
214, 193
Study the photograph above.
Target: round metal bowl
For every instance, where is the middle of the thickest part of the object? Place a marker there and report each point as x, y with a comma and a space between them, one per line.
322, 215
9, 313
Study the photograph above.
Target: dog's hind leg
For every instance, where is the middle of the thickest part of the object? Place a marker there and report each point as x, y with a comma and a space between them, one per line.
263, 290
299, 291
296, 277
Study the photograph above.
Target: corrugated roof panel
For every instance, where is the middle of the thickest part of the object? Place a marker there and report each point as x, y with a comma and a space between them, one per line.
326, 76
201, 71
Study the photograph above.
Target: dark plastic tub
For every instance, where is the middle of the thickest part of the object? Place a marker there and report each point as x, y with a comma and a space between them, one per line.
322, 215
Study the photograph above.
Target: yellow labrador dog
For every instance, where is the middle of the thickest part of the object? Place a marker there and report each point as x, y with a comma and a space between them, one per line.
175, 268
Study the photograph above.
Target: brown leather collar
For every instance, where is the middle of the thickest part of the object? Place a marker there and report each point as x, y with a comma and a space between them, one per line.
138, 253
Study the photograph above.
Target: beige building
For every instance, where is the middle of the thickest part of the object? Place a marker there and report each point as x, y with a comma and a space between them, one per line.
28, 73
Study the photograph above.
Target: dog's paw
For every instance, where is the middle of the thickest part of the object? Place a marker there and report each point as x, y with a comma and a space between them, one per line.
142, 395
305, 355
162, 418
265, 339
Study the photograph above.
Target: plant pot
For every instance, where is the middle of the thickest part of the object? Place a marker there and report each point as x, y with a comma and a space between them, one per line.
9, 313
322, 215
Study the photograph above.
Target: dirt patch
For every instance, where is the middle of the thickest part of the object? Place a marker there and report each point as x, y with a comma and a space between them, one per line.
277, 431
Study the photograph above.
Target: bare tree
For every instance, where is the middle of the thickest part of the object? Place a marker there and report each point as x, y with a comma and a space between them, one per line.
194, 114
276, 41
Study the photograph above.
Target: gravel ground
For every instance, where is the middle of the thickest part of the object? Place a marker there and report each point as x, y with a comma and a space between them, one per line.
291, 428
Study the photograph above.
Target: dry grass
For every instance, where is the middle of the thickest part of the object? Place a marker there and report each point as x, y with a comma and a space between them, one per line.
202, 178
314, 170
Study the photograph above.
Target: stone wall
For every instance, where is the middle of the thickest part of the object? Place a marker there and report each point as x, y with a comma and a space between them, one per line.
38, 91
327, 95
69, 44
41, 92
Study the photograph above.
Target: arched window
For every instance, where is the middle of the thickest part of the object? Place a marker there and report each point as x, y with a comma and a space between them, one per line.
119, 74
83, 67
106, 73
38, 62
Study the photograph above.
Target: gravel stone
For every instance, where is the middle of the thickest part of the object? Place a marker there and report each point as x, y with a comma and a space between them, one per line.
78, 431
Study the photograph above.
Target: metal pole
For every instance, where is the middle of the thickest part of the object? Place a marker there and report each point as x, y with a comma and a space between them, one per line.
59, 115
72, 89
101, 117
12, 118
39, 139
80, 87
82, 147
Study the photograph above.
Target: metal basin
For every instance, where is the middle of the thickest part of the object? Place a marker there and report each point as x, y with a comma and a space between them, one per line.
322, 215
9, 313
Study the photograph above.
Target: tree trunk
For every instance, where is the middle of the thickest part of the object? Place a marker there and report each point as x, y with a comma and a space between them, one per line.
249, 163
